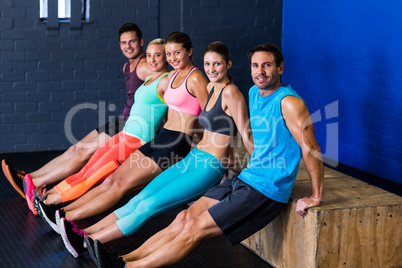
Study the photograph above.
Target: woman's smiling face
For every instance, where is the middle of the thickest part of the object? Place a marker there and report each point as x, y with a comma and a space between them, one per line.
177, 56
156, 57
215, 66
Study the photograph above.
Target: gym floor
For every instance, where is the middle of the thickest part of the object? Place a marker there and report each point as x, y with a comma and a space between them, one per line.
27, 241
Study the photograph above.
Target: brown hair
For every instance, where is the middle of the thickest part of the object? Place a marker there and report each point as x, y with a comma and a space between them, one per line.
220, 48
180, 38
278, 57
130, 27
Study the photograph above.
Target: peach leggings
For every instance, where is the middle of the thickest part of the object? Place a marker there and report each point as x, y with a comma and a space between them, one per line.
103, 162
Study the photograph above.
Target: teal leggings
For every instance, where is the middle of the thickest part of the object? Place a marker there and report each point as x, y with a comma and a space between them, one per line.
183, 182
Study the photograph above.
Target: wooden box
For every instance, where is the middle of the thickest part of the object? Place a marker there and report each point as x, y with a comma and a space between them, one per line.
356, 225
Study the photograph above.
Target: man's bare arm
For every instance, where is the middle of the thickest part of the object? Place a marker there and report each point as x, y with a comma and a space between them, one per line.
298, 121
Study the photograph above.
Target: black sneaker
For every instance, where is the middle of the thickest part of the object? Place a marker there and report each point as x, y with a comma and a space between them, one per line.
73, 237
107, 259
47, 213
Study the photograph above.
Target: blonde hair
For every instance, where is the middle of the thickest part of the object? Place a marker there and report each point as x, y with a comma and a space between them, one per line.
157, 41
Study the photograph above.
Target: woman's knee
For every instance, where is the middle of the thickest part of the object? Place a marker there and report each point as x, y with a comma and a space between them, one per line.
109, 182
118, 185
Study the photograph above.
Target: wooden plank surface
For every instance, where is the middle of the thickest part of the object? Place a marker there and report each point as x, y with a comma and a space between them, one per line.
360, 237
347, 192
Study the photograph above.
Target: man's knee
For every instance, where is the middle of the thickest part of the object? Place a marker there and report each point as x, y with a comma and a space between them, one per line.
79, 153
200, 227
193, 231
72, 151
180, 220
179, 225
86, 147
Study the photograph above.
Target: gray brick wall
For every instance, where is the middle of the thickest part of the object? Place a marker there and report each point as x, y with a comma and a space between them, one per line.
240, 24
43, 75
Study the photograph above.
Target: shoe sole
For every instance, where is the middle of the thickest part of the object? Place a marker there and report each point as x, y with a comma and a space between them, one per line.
91, 250
30, 204
60, 223
66, 241
43, 215
7, 173
57, 216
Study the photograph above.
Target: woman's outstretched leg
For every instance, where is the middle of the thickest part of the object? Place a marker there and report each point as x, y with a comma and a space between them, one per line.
102, 224
130, 176
60, 167
70, 162
103, 163
84, 199
105, 230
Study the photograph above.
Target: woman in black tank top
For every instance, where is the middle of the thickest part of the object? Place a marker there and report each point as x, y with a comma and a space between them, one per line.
226, 108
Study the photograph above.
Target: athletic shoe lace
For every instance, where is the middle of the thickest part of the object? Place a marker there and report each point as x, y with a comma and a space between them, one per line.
19, 173
77, 229
40, 193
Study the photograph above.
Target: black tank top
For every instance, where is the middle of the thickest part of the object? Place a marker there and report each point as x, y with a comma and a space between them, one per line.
216, 120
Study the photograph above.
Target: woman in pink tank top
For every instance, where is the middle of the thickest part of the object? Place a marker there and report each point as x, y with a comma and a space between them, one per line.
186, 84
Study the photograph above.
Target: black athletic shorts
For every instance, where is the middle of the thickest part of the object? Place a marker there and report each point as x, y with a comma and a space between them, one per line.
242, 209
114, 126
167, 148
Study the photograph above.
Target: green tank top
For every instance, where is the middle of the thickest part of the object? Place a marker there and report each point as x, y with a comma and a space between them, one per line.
147, 113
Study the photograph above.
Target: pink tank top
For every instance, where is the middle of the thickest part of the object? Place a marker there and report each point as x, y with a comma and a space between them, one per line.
180, 99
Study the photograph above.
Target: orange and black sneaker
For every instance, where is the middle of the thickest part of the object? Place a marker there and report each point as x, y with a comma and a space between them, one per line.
14, 176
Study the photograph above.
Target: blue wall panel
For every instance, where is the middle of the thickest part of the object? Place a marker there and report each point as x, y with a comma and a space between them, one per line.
346, 56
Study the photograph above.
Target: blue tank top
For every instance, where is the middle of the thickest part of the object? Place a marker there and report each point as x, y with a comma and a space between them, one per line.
274, 163
147, 113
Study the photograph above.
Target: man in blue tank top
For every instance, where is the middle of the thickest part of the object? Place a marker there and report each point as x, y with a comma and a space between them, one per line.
72, 160
240, 206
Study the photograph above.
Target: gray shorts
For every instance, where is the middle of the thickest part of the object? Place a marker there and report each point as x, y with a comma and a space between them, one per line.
242, 209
